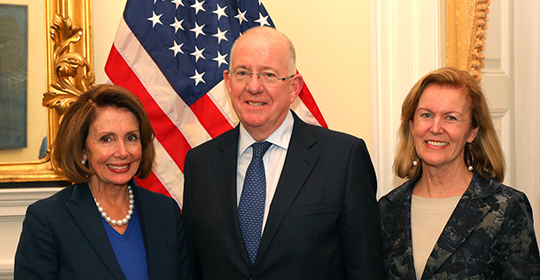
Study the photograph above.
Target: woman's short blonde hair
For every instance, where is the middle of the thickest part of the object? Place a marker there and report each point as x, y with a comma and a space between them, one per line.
67, 150
488, 156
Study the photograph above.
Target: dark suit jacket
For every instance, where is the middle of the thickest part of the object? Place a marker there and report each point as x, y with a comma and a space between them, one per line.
490, 235
63, 237
322, 222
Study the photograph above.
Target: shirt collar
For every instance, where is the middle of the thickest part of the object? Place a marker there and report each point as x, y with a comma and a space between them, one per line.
280, 137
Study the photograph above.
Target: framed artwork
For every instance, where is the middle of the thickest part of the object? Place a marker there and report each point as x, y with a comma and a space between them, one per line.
13, 75
56, 69
23, 119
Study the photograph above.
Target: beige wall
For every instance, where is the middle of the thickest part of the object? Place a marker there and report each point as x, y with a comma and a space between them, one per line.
332, 43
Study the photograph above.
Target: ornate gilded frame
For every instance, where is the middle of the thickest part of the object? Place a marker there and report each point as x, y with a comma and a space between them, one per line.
69, 59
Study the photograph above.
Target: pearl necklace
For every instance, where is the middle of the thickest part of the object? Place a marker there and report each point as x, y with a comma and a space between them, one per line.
123, 221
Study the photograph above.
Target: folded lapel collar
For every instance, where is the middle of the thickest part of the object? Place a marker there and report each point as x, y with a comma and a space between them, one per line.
87, 217
148, 217
299, 163
224, 166
398, 228
470, 210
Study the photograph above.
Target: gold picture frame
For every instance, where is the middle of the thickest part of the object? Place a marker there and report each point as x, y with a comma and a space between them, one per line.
69, 64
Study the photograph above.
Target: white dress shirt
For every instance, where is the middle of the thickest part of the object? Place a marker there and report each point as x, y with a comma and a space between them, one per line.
276, 155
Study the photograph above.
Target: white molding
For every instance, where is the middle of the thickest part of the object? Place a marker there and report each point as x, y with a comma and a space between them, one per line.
501, 120
505, 24
6, 270
13, 204
405, 44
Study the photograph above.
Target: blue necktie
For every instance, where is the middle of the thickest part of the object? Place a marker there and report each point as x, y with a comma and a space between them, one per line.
252, 200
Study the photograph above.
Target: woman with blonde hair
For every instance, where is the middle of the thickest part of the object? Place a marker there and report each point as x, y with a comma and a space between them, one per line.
453, 218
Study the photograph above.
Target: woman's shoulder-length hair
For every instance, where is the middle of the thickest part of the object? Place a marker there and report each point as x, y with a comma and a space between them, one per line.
67, 149
486, 148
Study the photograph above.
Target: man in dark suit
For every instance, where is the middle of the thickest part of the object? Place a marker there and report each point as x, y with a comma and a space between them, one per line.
319, 217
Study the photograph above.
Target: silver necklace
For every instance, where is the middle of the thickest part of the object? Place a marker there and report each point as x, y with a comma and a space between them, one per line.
123, 221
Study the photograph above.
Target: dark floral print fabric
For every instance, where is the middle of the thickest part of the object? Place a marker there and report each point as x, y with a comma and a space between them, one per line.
489, 235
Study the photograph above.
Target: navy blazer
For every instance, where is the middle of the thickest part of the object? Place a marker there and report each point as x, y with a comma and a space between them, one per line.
490, 235
323, 221
63, 237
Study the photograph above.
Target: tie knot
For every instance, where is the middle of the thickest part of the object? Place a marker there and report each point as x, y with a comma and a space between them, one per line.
259, 148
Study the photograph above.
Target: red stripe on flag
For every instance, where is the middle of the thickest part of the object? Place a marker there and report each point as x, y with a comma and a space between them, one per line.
210, 117
172, 140
152, 183
309, 101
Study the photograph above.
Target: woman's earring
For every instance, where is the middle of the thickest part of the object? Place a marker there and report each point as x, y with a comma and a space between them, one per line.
414, 162
83, 162
470, 157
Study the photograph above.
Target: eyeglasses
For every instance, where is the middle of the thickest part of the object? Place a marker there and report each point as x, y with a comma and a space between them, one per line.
266, 77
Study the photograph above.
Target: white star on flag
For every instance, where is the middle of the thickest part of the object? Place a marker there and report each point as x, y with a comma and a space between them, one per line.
177, 25
179, 2
221, 35
176, 48
198, 54
198, 77
198, 6
263, 20
241, 16
198, 30
220, 59
220, 12
155, 19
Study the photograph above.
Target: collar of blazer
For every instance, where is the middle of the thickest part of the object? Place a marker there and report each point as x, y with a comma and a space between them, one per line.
86, 215
468, 213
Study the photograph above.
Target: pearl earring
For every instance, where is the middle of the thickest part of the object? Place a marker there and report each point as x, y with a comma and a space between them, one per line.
415, 162
470, 157
83, 162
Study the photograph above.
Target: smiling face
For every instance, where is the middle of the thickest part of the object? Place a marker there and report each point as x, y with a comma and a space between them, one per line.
262, 107
113, 147
441, 127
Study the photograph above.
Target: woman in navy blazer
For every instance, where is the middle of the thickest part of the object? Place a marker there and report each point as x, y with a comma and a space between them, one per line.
453, 219
104, 226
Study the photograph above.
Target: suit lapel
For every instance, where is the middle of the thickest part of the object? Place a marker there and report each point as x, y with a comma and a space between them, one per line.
148, 219
224, 166
85, 213
398, 227
470, 210
298, 165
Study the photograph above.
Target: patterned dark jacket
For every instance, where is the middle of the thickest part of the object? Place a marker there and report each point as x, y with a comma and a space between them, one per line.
490, 235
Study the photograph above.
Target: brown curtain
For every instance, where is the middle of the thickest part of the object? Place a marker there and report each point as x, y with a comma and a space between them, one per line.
466, 35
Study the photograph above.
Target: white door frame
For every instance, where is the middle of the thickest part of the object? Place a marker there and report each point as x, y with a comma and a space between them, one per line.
405, 44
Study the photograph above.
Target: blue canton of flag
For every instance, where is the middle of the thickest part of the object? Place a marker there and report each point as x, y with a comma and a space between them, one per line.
190, 41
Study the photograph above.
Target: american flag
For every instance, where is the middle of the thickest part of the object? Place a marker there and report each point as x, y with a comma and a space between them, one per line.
172, 54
